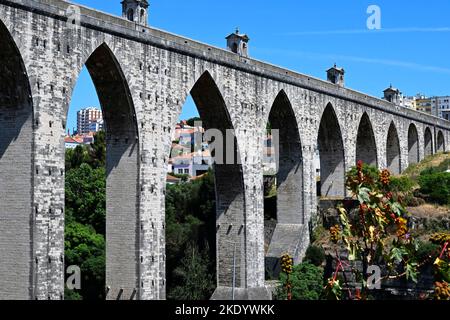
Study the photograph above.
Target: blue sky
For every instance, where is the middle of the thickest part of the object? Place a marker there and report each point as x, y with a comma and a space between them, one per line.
411, 51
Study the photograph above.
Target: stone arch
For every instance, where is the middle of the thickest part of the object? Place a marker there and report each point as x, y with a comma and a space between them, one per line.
366, 149
413, 145
440, 142
428, 144
229, 185
16, 173
331, 151
289, 181
122, 174
290, 162
393, 158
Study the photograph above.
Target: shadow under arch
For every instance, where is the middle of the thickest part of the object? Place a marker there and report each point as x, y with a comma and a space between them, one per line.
122, 175
393, 160
231, 259
366, 148
440, 142
331, 152
413, 145
428, 142
16, 173
289, 182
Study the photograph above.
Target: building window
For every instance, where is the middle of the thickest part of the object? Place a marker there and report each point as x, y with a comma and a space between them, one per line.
186, 171
142, 15
130, 15
234, 47
180, 171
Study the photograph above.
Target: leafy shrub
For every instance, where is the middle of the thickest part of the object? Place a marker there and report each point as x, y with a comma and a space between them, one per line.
315, 255
86, 196
377, 233
436, 186
427, 250
402, 184
86, 248
306, 280
402, 188
370, 174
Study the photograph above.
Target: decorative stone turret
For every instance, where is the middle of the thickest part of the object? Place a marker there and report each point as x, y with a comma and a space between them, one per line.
392, 95
238, 43
136, 11
336, 75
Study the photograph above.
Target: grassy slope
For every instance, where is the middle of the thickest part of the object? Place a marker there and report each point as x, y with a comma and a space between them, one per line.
435, 160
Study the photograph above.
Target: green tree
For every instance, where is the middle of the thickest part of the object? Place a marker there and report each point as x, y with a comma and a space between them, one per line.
306, 281
76, 157
86, 196
191, 121
436, 185
97, 151
194, 281
190, 218
86, 248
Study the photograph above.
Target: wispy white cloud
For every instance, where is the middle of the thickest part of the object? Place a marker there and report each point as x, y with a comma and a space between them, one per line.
366, 31
340, 58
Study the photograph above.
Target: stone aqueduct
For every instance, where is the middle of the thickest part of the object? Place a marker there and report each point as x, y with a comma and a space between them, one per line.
143, 76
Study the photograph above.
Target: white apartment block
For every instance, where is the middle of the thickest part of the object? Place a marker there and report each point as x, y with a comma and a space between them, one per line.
440, 105
86, 117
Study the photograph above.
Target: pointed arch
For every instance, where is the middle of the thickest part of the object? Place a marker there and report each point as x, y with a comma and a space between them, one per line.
331, 152
16, 173
290, 162
428, 144
440, 142
413, 145
393, 160
229, 184
122, 174
210, 103
366, 149
289, 181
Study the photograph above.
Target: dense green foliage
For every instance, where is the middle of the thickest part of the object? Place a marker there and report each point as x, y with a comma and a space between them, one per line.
370, 173
191, 122
190, 238
315, 255
436, 185
403, 184
307, 282
86, 248
85, 196
94, 155
85, 206
192, 278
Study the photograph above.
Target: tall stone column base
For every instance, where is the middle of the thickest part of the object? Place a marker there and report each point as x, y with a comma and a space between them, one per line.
226, 293
287, 238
